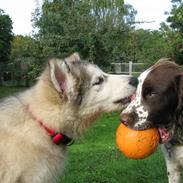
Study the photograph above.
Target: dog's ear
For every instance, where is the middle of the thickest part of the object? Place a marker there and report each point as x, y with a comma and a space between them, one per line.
179, 88
164, 61
59, 73
73, 58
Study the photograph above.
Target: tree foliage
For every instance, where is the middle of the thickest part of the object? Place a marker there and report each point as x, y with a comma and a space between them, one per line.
95, 28
150, 46
176, 23
6, 36
100, 30
26, 51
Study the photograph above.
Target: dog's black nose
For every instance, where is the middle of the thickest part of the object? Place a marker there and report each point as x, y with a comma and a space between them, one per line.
133, 81
128, 118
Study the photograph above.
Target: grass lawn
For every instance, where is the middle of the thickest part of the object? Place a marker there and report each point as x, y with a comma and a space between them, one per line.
95, 158
5, 91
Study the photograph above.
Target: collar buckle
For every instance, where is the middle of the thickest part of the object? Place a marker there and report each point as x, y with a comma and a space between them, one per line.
59, 138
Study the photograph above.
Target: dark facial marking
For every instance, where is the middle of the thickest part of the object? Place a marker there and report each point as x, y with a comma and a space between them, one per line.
82, 80
159, 94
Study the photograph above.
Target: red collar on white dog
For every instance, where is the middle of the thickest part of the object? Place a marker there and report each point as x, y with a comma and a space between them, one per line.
56, 137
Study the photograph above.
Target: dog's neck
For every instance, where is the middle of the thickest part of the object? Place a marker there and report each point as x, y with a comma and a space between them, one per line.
57, 114
177, 138
46, 105
57, 138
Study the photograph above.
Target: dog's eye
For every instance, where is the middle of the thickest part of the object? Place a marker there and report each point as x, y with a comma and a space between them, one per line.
98, 81
148, 92
151, 94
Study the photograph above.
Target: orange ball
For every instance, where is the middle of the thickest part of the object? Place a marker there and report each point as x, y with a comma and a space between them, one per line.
136, 144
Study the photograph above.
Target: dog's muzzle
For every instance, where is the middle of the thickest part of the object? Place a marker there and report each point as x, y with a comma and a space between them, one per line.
128, 118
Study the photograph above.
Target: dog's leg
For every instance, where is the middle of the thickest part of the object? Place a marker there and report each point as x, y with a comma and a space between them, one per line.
173, 167
173, 172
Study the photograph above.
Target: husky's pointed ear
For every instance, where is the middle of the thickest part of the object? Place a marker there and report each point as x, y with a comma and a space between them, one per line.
73, 58
58, 71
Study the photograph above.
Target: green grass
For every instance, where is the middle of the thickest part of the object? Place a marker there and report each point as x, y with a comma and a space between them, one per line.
95, 158
6, 91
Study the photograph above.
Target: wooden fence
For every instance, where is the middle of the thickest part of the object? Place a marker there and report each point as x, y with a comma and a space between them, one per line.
13, 74
130, 68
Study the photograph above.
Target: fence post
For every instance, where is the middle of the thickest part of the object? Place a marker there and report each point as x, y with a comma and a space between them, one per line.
130, 67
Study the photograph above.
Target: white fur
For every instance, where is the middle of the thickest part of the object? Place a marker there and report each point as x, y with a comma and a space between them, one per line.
174, 161
173, 154
27, 154
136, 105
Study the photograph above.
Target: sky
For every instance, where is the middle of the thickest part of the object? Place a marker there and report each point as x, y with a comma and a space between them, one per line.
20, 12
151, 11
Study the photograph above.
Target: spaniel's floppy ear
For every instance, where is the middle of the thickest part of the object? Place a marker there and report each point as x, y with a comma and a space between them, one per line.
179, 88
164, 61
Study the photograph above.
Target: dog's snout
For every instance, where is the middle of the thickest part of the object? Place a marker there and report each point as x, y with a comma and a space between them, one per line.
133, 81
128, 118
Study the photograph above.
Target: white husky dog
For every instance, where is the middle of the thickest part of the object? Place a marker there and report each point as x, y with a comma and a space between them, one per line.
37, 124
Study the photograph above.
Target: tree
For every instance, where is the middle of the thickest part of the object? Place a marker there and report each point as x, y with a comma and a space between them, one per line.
176, 23
6, 36
97, 28
150, 46
26, 55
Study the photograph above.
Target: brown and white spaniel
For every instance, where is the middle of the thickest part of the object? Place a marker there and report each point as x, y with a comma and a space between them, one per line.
159, 103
